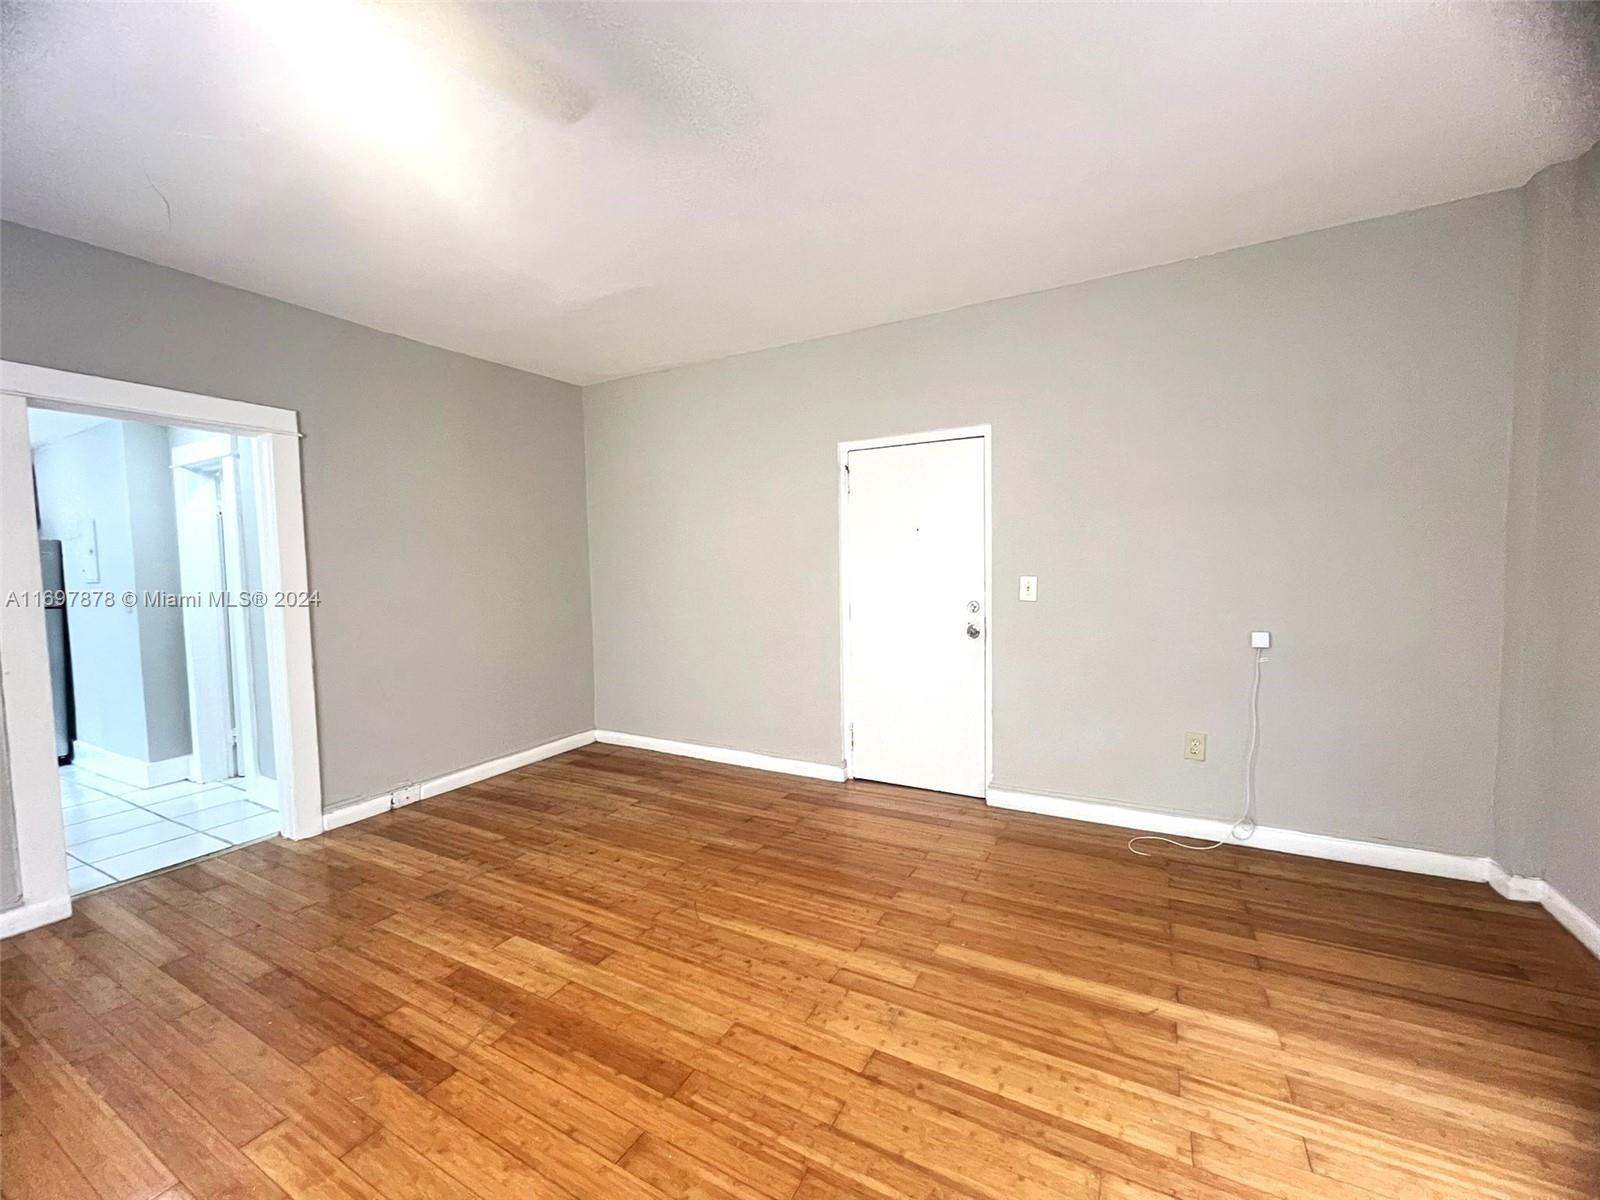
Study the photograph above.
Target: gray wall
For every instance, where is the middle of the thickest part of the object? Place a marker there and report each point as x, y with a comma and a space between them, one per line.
1548, 789
444, 501
1314, 436
1310, 436
129, 688
152, 513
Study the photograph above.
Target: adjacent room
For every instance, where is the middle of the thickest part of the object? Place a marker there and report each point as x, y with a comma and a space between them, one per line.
156, 653
798, 601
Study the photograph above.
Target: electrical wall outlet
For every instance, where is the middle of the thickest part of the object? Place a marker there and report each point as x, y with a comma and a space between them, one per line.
1194, 747
408, 793
1260, 639
1028, 589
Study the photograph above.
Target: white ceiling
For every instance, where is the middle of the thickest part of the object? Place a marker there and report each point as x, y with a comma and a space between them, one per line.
590, 191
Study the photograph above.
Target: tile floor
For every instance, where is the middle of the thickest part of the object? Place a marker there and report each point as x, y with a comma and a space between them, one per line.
116, 831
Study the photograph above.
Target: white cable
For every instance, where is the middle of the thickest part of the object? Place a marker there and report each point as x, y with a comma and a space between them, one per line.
1245, 826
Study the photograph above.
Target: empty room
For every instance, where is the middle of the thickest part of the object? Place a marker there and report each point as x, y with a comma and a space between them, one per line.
789, 601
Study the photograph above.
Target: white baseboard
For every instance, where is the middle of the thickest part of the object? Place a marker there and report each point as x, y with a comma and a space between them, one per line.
1578, 923
32, 915
721, 754
260, 789
1531, 888
171, 770
1285, 841
360, 810
124, 768
1528, 888
499, 766
1314, 845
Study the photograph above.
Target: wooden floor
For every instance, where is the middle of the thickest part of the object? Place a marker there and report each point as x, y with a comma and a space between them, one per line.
617, 974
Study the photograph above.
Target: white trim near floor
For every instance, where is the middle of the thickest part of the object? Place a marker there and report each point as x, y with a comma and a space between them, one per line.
1411, 859
124, 768
260, 788
32, 915
721, 754
1284, 841
1578, 923
360, 810
467, 776
1516, 887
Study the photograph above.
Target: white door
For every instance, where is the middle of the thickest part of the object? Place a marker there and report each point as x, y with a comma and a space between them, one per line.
914, 572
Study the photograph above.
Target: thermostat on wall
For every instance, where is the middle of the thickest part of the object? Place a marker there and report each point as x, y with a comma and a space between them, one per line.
1260, 639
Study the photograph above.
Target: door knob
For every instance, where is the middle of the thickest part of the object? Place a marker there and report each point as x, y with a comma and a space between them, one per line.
972, 630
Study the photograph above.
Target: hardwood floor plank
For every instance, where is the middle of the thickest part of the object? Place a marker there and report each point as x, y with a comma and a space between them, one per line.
304, 1169
737, 1157
580, 1114
183, 1139
320, 1110
92, 989
147, 983
297, 1040
114, 1159
29, 994
122, 921
180, 1062
397, 1172
565, 1029
673, 1173
565, 1162
470, 1158
618, 973
34, 1166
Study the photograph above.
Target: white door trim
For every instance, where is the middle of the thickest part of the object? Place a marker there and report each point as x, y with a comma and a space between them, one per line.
216, 458
46, 387
986, 434
28, 728
29, 716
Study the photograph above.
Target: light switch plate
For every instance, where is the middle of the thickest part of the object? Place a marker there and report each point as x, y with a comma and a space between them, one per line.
1029, 588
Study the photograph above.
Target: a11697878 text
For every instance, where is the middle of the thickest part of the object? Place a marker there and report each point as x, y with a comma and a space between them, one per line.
103, 598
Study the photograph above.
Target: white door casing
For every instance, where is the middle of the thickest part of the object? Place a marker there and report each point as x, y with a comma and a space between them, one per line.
205, 626
205, 479
29, 728
29, 718
915, 572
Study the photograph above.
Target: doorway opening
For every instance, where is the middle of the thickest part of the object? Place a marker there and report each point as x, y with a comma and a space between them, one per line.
915, 610
157, 704
149, 551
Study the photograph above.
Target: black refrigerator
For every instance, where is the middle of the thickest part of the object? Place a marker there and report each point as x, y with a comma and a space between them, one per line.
55, 634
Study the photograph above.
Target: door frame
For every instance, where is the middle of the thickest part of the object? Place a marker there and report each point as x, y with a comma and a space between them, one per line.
28, 723
217, 458
984, 433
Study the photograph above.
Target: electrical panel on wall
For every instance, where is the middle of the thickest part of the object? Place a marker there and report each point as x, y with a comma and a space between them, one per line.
81, 554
